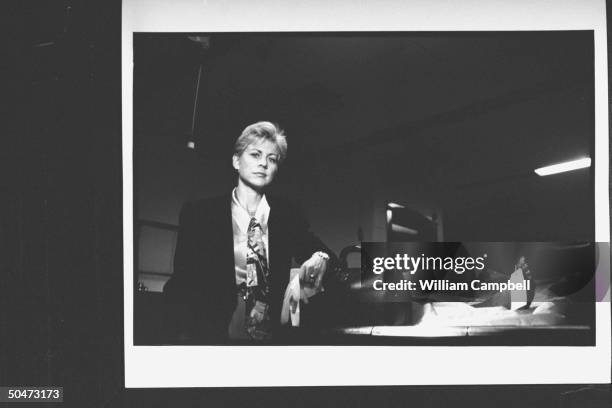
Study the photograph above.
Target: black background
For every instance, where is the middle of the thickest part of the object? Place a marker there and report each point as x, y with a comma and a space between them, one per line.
61, 311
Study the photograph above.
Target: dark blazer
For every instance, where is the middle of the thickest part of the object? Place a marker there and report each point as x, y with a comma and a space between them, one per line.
201, 295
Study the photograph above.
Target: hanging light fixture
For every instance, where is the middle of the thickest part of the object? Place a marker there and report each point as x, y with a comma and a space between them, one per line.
204, 42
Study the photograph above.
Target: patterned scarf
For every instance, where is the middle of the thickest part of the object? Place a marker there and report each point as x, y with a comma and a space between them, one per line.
258, 287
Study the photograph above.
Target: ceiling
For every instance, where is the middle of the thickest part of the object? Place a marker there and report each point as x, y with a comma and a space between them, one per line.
399, 96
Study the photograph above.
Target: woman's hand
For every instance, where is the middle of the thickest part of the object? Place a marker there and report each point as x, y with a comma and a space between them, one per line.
313, 270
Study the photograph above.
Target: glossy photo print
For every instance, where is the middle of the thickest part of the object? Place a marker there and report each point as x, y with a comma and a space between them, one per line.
363, 193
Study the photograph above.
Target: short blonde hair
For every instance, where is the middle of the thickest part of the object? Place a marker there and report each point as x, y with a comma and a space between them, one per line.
262, 131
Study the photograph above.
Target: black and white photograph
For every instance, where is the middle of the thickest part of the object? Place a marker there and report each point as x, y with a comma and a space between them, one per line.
294, 148
404, 184
306, 203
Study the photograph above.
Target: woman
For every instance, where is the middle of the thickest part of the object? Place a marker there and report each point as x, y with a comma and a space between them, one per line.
233, 254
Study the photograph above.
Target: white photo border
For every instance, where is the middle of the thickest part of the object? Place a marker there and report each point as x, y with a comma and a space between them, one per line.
216, 366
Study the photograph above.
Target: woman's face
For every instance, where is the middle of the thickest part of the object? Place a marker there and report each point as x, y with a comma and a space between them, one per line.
258, 164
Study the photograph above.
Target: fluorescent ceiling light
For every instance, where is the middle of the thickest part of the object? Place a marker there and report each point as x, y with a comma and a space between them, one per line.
395, 205
565, 166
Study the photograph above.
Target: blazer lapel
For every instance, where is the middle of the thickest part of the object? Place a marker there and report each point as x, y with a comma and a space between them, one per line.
278, 236
221, 216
